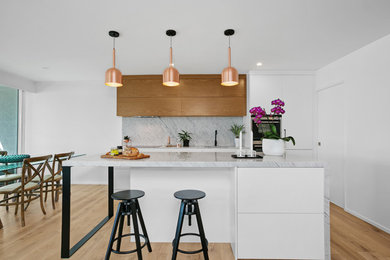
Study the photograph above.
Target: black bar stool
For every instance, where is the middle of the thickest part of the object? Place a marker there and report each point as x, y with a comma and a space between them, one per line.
128, 206
189, 206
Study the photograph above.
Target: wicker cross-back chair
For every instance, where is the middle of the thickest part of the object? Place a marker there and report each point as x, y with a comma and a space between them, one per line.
25, 191
52, 181
8, 176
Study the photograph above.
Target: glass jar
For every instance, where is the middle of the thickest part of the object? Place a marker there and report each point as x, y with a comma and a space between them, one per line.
126, 148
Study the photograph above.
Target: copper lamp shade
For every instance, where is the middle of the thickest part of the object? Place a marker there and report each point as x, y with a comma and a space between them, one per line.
171, 76
113, 75
229, 75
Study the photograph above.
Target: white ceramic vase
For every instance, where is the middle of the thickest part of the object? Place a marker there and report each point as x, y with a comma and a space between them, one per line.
273, 147
237, 142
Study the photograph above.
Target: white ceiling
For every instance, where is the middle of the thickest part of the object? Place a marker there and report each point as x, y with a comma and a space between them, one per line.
70, 37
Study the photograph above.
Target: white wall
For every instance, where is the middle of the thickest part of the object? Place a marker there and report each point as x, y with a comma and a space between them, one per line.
366, 77
296, 88
73, 116
15, 81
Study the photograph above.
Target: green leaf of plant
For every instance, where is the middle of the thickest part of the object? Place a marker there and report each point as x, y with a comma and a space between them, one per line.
292, 140
273, 129
270, 135
288, 139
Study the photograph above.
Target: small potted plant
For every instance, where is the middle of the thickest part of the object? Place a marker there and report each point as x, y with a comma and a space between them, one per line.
272, 143
236, 129
185, 137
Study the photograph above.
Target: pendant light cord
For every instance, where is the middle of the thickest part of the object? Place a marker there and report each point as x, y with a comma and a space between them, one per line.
170, 51
230, 54
113, 51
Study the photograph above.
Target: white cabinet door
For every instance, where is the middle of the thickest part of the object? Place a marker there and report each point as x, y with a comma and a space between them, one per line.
276, 190
281, 236
298, 119
263, 89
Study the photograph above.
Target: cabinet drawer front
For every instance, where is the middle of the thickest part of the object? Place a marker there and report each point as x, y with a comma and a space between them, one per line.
281, 236
276, 190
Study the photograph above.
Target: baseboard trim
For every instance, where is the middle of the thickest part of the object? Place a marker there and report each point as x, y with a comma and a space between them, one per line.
383, 228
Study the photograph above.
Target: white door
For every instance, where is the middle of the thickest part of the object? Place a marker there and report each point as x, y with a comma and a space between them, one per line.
331, 139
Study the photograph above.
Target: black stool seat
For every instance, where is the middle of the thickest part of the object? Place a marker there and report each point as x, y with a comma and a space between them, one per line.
128, 195
189, 195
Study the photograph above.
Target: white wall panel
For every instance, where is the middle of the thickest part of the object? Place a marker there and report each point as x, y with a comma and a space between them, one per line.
366, 78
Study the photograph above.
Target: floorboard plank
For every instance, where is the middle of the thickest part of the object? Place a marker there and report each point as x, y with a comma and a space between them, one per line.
351, 238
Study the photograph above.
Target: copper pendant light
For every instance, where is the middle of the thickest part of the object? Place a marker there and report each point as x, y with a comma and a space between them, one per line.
229, 75
113, 75
171, 74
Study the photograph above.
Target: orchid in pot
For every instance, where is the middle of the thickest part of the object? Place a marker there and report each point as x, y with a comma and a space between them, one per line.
272, 143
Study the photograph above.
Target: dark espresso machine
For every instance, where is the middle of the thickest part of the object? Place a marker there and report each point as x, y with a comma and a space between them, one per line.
258, 131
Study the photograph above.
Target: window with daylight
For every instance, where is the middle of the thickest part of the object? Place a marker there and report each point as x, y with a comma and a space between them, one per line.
9, 98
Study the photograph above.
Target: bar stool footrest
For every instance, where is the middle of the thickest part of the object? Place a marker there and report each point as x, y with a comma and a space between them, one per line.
130, 251
190, 252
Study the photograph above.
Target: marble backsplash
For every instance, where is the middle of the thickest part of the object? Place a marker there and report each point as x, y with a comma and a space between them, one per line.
154, 131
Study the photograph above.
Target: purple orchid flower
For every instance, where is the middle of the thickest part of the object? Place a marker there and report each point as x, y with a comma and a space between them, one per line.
278, 107
259, 112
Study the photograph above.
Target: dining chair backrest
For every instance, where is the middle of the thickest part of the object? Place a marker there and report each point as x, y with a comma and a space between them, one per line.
57, 162
32, 167
3, 153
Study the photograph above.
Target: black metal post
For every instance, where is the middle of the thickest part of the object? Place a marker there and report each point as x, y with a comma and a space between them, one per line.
201, 231
189, 211
113, 232
110, 191
141, 220
66, 251
65, 229
136, 230
178, 230
119, 241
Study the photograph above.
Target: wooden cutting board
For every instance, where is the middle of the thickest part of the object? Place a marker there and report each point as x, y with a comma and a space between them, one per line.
123, 157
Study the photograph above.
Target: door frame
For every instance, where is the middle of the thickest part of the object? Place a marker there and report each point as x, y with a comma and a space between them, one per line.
21, 121
342, 84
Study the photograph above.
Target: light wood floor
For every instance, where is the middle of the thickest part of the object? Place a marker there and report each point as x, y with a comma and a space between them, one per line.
351, 238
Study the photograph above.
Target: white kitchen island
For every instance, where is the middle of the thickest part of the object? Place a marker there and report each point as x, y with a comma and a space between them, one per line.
270, 208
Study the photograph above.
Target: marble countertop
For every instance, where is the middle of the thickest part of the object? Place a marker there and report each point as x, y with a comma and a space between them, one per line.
292, 159
147, 149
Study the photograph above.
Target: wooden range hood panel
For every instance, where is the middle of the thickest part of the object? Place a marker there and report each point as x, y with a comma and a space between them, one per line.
197, 95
